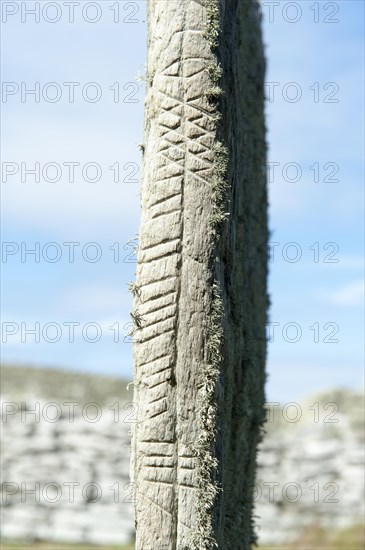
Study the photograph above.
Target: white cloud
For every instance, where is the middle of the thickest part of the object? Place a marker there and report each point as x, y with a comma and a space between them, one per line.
351, 294
351, 262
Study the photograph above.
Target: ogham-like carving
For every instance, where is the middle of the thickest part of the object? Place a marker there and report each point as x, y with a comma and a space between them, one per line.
187, 297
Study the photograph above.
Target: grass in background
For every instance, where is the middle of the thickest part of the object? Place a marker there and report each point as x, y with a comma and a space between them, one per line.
61, 384
56, 546
314, 538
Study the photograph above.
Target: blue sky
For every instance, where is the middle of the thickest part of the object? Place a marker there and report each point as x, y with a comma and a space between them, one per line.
316, 188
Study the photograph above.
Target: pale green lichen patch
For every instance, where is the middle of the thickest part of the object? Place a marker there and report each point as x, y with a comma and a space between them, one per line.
213, 93
145, 78
220, 186
204, 536
212, 29
214, 70
134, 289
207, 463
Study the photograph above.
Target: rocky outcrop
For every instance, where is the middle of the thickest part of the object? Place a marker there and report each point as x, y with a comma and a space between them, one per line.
65, 461
311, 467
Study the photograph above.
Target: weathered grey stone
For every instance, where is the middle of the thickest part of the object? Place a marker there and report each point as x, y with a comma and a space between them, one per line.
198, 379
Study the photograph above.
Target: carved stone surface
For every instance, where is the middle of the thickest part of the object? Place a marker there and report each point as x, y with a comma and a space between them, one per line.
182, 256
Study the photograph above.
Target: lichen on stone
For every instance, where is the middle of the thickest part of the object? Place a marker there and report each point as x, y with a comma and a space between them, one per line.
203, 536
220, 186
207, 463
134, 289
212, 28
137, 321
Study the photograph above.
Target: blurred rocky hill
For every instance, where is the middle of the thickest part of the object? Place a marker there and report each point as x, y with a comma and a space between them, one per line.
20, 381
65, 460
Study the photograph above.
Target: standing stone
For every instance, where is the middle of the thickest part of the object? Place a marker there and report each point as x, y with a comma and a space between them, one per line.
200, 297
